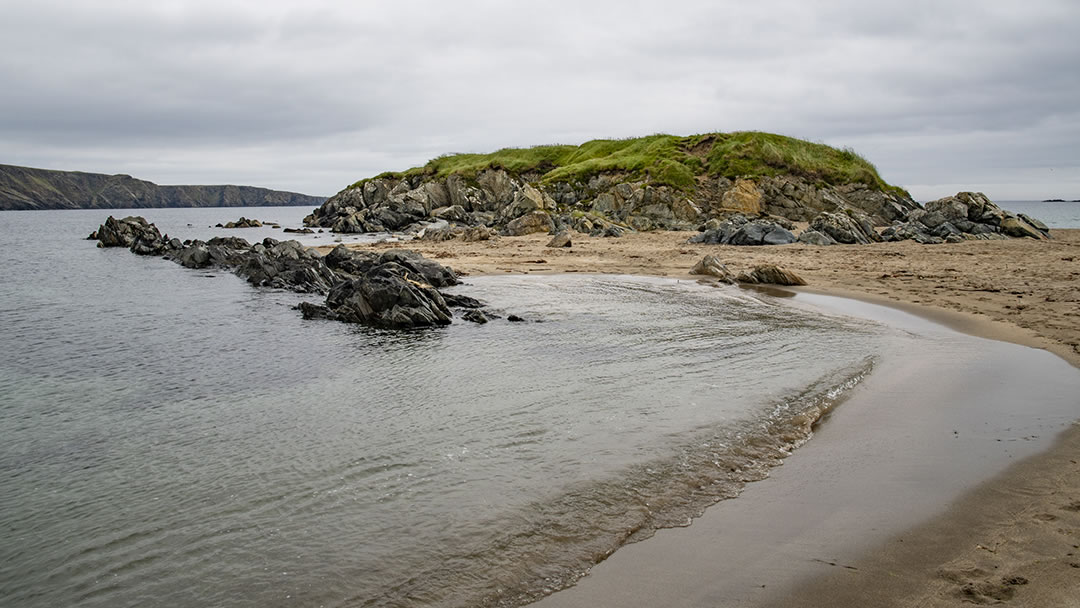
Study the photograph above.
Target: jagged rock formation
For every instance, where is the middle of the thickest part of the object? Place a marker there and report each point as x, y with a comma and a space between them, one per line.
610, 187
394, 289
954, 219
739, 230
243, 222
604, 205
964, 216
28, 188
848, 228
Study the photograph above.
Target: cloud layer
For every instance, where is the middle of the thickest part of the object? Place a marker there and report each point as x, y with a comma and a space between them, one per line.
310, 96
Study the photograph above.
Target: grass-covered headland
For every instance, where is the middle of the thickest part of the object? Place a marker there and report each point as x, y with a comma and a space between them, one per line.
667, 160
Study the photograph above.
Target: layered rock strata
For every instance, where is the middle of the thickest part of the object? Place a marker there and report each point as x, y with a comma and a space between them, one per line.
603, 205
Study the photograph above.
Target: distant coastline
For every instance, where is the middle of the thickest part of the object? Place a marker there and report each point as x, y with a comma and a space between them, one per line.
27, 188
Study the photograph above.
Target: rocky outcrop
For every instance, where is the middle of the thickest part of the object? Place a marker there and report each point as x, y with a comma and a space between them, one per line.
799, 200
28, 188
384, 296
243, 222
740, 230
534, 221
743, 197
850, 227
965, 216
124, 233
393, 289
606, 204
135, 233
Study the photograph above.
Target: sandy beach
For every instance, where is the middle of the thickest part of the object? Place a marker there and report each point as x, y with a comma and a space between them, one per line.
1013, 538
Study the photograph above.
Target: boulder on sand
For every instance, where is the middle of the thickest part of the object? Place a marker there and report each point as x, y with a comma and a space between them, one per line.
711, 265
561, 239
769, 274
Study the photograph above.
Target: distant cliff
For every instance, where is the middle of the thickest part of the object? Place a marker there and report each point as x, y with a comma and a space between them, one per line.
27, 188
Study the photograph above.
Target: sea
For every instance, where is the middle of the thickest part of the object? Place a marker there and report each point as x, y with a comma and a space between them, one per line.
1053, 214
178, 437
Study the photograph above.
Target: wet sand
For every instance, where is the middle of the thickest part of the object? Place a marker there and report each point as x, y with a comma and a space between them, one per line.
845, 516
911, 494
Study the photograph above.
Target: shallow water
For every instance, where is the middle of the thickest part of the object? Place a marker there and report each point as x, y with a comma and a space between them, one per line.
177, 437
1054, 215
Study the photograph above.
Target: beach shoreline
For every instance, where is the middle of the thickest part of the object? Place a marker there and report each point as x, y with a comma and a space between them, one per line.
1016, 290
1010, 538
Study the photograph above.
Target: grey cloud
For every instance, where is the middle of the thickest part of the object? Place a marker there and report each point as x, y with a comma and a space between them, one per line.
313, 95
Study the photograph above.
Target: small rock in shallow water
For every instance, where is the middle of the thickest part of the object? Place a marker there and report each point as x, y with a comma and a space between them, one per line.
475, 316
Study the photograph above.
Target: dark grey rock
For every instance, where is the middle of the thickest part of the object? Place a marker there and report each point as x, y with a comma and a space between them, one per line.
418, 266
460, 301
385, 297
813, 237
475, 316
124, 233
778, 236
195, 255
851, 227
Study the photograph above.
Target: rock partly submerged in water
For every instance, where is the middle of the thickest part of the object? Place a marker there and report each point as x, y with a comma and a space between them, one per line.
394, 289
243, 222
126, 233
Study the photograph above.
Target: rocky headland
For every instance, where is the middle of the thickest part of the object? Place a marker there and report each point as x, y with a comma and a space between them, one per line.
25, 188
739, 188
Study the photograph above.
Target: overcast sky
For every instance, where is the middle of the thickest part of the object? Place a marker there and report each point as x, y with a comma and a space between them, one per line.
310, 96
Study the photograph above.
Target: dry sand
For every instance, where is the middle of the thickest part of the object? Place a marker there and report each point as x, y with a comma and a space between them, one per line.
1014, 538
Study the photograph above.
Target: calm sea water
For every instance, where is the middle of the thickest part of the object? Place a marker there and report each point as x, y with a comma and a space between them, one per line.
1054, 215
177, 437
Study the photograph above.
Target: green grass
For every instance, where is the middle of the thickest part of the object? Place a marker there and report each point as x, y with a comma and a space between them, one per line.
754, 154
666, 160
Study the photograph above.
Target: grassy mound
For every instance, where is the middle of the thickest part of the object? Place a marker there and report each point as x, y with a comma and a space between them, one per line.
668, 160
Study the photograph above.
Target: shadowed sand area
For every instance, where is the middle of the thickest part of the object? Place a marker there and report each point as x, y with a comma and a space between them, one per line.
949, 477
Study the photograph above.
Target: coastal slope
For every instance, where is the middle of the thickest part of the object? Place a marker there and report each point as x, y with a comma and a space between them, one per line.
610, 187
25, 188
